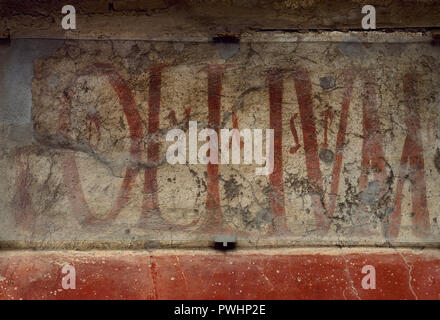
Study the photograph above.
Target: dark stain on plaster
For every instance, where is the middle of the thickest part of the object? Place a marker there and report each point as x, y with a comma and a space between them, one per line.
437, 160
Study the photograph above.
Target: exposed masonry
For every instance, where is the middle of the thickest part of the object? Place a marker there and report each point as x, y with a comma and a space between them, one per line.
193, 19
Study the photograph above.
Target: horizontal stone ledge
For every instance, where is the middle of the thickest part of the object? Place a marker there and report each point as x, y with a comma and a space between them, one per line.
180, 19
207, 244
243, 274
281, 36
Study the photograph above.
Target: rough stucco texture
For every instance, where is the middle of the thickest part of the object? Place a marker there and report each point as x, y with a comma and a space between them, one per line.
356, 144
183, 19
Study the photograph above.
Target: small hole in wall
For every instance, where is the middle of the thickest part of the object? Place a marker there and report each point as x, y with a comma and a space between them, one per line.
226, 38
436, 40
5, 41
224, 246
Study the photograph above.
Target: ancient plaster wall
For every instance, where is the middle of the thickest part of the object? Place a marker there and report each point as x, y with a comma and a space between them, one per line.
356, 142
84, 116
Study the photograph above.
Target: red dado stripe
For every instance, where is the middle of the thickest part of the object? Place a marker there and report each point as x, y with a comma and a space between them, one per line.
243, 274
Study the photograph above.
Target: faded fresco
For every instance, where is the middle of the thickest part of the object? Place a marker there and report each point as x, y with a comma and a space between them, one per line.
356, 144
